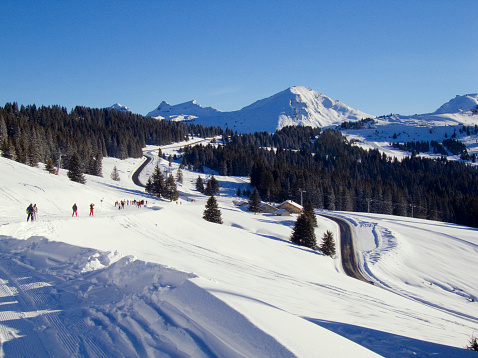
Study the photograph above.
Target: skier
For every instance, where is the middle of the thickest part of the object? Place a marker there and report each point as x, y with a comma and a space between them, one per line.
35, 211
92, 206
75, 208
30, 212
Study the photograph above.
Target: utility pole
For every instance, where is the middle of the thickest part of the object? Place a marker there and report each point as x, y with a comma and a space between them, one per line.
59, 163
301, 200
368, 205
412, 206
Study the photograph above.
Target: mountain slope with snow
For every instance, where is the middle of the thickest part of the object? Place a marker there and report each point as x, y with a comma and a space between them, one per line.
295, 106
119, 107
459, 104
182, 112
159, 280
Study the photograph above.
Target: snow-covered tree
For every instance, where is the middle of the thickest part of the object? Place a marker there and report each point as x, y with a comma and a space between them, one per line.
179, 175
115, 174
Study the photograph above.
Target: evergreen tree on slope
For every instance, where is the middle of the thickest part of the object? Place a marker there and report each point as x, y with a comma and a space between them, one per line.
157, 181
74, 169
309, 211
303, 233
212, 212
170, 189
328, 244
254, 201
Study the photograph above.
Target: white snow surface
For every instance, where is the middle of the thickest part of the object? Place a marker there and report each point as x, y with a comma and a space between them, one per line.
295, 106
159, 281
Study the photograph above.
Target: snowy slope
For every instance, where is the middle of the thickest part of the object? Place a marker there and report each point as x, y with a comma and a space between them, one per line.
295, 106
446, 122
160, 281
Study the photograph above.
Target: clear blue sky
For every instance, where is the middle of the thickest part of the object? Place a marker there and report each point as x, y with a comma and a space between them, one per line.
377, 56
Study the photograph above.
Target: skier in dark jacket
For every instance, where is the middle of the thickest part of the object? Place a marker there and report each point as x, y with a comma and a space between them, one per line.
75, 208
30, 212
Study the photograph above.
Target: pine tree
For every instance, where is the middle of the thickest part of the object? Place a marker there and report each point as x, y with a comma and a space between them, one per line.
215, 185
309, 210
254, 201
208, 190
303, 233
179, 176
157, 181
8, 149
114, 174
212, 212
239, 192
149, 186
170, 189
328, 244
50, 166
95, 166
74, 169
200, 184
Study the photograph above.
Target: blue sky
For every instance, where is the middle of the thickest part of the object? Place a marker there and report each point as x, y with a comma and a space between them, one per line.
377, 56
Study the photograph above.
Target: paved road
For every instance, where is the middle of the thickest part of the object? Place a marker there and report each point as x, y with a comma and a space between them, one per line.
349, 261
137, 172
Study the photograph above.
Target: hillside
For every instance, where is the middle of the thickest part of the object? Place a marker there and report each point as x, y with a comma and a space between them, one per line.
159, 280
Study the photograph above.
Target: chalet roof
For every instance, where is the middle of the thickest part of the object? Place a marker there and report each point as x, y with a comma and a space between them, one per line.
290, 202
281, 212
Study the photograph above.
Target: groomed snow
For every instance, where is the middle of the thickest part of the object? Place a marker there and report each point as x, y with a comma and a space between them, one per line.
160, 281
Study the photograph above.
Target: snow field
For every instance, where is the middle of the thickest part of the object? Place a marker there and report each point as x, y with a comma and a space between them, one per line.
160, 280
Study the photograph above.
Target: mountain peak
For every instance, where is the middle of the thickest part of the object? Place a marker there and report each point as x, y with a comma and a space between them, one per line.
183, 111
119, 107
459, 104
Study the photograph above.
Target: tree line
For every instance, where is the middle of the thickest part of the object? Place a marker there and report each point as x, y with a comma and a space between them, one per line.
336, 175
30, 135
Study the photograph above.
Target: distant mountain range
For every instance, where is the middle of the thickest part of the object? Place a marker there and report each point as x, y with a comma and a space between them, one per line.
303, 106
295, 106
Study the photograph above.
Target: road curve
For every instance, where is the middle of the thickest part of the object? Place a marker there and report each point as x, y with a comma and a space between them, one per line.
349, 261
137, 172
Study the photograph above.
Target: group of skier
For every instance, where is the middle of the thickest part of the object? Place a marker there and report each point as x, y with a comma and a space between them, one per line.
32, 211
75, 210
32, 208
121, 204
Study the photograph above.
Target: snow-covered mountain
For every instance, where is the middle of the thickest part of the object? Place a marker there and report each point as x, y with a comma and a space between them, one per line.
181, 112
454, 119
295, 106
459, 104
119, 107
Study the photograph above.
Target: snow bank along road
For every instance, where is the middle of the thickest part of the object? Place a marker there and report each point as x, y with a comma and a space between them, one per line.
349, 261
